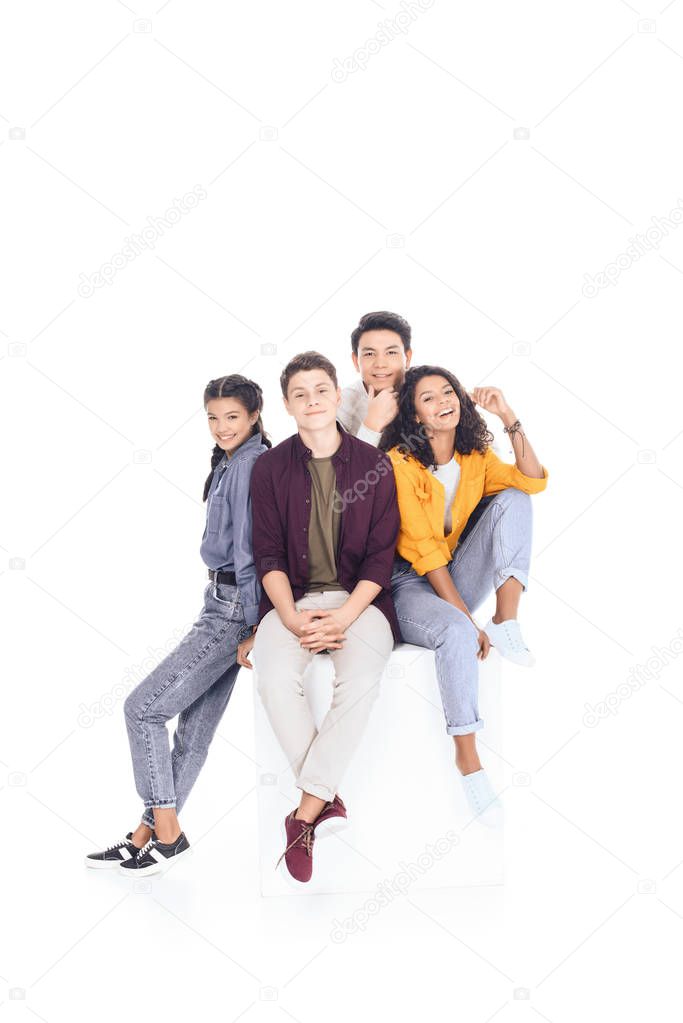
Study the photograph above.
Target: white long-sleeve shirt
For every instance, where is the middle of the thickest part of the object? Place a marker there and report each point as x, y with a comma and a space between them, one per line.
354, 409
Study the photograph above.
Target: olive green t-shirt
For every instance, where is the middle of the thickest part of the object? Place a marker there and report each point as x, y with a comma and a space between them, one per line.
323, 528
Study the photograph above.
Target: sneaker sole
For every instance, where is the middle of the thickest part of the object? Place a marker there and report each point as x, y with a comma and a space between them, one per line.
528, 661
331, 827
158, 868
103, 864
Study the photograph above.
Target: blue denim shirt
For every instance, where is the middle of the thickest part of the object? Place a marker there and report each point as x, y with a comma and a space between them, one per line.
226, 543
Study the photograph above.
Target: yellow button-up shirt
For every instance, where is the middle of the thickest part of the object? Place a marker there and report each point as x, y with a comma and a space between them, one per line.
421, 502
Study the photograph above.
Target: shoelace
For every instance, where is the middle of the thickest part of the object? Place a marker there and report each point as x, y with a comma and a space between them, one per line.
306, 838
117, 845
145, 849
515, 640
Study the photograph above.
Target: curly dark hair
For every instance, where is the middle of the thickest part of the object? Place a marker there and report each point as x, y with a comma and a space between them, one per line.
405, 433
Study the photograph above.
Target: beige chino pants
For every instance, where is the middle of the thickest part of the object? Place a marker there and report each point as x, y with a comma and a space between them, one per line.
319, 758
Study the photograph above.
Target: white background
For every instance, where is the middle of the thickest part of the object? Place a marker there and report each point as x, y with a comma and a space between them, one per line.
407, 186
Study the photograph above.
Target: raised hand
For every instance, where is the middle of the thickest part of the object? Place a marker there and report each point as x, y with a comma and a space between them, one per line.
491, 399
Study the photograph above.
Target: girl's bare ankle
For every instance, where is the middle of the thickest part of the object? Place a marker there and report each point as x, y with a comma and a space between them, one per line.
468, 765
141, 835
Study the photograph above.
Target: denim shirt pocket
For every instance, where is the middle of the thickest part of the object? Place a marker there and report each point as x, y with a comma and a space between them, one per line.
216, 509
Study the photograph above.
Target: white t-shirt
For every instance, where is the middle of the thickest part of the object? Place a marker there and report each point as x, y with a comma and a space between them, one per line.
449, 476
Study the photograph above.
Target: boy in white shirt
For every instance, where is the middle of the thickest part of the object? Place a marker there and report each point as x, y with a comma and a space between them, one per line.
382, 352
381, 355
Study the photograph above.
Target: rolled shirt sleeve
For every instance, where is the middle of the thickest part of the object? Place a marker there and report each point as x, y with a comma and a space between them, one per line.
500, 475
369, 436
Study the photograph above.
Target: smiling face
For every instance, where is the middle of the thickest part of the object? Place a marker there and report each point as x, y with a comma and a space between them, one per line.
229, 422
381, 359
312, 399
436, 404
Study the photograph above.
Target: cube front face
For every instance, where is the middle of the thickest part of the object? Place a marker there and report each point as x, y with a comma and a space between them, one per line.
407, 811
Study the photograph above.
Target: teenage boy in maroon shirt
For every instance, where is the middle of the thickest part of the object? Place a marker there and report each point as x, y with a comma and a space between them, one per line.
325, 526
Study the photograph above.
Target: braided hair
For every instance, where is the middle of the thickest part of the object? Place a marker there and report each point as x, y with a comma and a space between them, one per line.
404, 432
249, 394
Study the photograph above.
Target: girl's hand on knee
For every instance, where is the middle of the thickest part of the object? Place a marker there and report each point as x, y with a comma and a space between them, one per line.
484, 645
243, 650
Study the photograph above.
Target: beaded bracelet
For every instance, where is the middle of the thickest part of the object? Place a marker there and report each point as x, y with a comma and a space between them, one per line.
514, 428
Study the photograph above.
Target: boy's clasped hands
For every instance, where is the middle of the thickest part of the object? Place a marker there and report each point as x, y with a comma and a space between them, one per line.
319, 629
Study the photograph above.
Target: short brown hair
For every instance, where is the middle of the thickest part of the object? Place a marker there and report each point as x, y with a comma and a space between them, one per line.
305, 361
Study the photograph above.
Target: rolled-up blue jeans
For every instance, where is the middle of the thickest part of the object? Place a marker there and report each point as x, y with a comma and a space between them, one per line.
195, 681
497, 547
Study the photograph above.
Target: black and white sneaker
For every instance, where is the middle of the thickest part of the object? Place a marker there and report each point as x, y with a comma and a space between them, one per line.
120, 852
155, 857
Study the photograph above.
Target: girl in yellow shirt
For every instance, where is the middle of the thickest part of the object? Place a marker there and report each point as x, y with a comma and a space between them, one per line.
465, 531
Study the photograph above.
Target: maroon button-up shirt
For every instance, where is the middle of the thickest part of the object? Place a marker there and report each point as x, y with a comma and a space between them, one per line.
368, 532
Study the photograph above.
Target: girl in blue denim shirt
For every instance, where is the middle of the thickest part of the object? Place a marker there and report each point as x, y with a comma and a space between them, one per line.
195, 681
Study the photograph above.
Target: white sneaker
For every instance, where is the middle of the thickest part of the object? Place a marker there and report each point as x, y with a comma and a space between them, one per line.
482, 800
507, 638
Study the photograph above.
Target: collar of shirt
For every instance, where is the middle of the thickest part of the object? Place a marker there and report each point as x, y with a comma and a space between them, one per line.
253, 442
341, 454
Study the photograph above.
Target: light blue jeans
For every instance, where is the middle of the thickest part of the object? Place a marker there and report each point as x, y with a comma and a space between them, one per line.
497, 547
195, 681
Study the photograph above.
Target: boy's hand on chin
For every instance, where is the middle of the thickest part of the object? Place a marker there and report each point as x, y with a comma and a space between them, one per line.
382, 408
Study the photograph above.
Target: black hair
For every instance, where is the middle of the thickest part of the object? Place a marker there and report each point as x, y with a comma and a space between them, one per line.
381, 321
249, 394
404, 432
305, 361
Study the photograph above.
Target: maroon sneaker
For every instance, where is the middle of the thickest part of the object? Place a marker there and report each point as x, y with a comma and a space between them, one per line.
298, 854
331, 819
